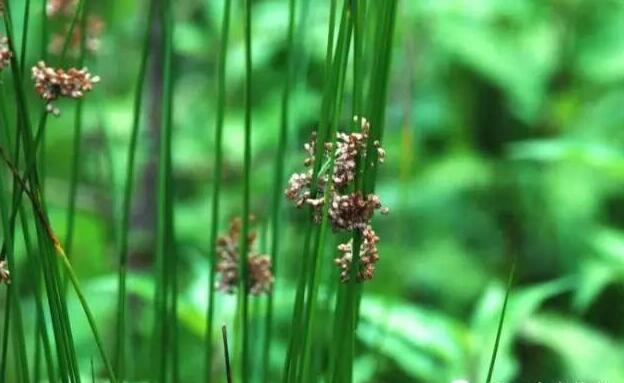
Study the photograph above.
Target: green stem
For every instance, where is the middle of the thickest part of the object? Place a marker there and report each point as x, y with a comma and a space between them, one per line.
165, 321
297, 325
278, 184
501, 320
87, 311
226, 352
127, 200
24, 35
244, 250
216, 188
70, 32
340, 67
76, 151
5, 335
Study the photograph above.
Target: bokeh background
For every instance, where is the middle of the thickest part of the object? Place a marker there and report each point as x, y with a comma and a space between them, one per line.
504, 139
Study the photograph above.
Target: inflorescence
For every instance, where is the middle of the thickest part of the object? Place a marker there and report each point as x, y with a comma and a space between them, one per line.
5, 275
51, 84
260, 267
347, 210
5, 52
94, 29
61, 7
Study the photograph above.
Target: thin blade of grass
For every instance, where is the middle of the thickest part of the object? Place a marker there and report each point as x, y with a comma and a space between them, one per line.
226, 352
24, 35
340, 66
127, 200
216, 188
244, 243
291, 367
278, 184
384, 29
76, 147
5, 335
165, 302
501, 320
51, 237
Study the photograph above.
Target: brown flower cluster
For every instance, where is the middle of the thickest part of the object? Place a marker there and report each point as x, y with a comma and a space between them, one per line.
260, 267
51, 83
346, 210
369, 255
64, 10
61, 7
5, 52
5, 275
94, 29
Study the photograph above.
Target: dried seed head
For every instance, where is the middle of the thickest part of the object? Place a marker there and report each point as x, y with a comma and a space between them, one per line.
228, 253
61, 7
5, 275
298, 190
369, 255
352, 211
346, 211
51, 83
5, 53
260, 274
95, 28
310, 147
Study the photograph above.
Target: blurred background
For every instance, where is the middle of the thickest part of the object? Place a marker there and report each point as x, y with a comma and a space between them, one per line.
504, 140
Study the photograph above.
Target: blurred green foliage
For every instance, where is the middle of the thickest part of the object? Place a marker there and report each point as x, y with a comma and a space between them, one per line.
504, 139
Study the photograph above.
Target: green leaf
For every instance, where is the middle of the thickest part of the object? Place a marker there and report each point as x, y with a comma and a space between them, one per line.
588, 354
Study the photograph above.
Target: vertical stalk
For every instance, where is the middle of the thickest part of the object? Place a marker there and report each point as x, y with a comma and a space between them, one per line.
127, 202
244, 243
216, 187
77, 138
278, 184
226, 352
297, 328
501, 320
50, 248
5, 335
24, 35
339, 70
166, 319
19, 339
377, 94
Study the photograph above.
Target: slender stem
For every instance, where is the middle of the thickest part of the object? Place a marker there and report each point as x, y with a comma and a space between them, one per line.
216, 188
244, 272
76, 150
87, 311
60, 252
70, 32
501, 320
44, 29
377, 94
5, 335
24, 35
278, 184
338, 84
166, 294
226, 351
297, 327
127, 201
19, 340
